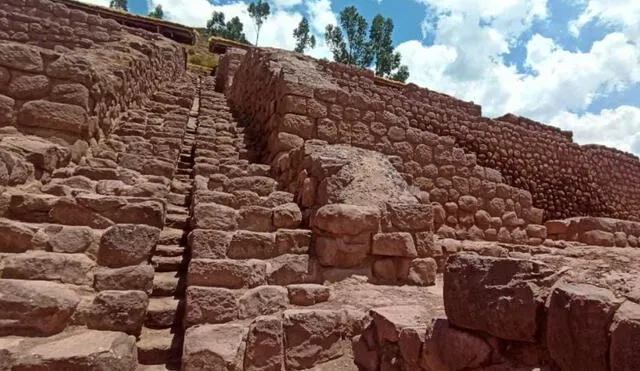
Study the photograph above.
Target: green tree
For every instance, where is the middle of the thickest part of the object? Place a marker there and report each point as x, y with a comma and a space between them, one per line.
231, 30
348, 41
234, 30
381, 46
301, 33
402, 74
157, 12
119, 4
259, 11
335, 41
216, 25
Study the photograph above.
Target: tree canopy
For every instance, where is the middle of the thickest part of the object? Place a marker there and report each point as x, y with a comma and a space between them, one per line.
348, 40
157, 12
119, 4
259, 11
303, 39
348, 44
231, 30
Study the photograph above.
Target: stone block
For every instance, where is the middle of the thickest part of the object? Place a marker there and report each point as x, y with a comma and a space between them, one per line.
394, 244
114, 310
127, 244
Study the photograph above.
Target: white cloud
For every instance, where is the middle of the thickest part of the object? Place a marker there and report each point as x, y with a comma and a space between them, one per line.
321, 15
467, 60
619, 127
286, 3
277, 30
620, 14
97, 2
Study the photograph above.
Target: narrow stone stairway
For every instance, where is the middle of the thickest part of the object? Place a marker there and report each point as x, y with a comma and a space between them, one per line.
161, 340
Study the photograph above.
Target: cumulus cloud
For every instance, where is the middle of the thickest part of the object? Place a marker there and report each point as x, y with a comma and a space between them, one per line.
618, 127
98, 2
467, 59
285, 3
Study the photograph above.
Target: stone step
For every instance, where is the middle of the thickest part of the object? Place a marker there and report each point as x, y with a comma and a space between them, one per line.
171, 236
171, 250
162, 312
165, 284
178, 210
178, 221
167, 263
158, 347
178, 199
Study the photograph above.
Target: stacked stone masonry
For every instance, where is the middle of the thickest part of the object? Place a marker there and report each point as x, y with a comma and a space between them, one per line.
341, 104
66, 74
286, 100
151, 219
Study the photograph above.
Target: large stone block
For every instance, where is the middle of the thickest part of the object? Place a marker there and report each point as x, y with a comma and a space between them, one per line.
214, 347
35, 308
499, 296
79, 350
209, 305
54, 116
114, 310
127, 244
20, 57
394, 244
341, 219
312, 336
625, 338
232, 274
75, 269
264, 349
136, 277
262, 300
578, 321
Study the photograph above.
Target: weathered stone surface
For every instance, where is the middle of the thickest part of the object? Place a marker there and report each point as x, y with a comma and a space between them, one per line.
346, 219
214, 216
15, 237
214, 347
308, 294
411, 217
136, 277
80, 350
578, 321
343, 251
6, 110
287, 269
287, 216
312, 336
625, 338
55, 116
209, 244
448, 347
394, 244
262, 300
232, 274
113, 310
20, 57
209, 305
495, 295
35, 308
28, 87
76, 269
127, 244
264, 344
423, 272
389, 321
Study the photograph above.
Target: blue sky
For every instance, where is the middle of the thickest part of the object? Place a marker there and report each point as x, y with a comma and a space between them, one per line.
571, 63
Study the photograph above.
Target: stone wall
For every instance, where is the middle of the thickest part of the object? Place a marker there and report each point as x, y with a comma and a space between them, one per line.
68, 74
595, 231
341, 104
285, 100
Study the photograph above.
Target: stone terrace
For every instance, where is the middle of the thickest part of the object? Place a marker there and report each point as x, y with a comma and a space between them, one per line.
290, 214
